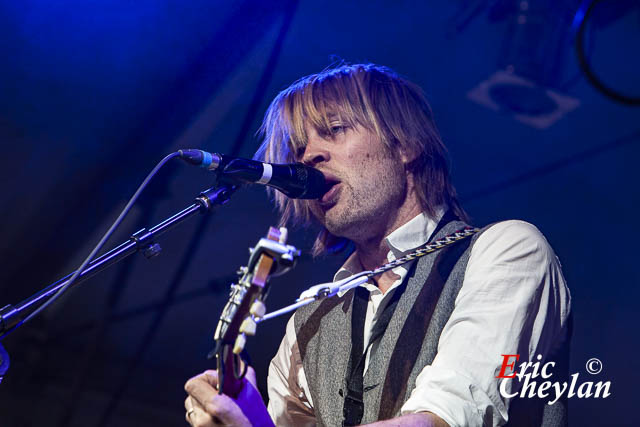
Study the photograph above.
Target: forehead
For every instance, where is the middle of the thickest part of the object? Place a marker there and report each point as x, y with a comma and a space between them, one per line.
316, 103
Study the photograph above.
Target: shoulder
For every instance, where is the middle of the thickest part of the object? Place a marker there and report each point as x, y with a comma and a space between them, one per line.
512, 240
513, 253
513, 259
514, 230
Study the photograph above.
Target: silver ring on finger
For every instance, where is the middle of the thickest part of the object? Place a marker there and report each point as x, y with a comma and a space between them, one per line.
190, 411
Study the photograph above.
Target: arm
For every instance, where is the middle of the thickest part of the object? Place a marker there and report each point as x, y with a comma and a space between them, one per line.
513, 301
422, 419
289, 398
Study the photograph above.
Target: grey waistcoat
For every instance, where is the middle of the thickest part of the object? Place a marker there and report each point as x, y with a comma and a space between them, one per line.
323, 331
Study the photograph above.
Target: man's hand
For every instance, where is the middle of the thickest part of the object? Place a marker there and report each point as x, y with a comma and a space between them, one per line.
206, 408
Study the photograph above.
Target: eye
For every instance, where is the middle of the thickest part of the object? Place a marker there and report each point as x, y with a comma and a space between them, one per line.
337, 128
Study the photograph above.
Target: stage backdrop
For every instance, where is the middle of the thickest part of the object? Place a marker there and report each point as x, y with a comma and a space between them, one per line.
93, 94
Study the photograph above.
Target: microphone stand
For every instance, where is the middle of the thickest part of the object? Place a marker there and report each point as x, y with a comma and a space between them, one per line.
4, 362
142, 241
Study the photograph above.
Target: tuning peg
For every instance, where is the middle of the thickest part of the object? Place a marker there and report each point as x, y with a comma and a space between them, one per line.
242, 271
258, 309
248, 326
287, 257
284, 234
241, 340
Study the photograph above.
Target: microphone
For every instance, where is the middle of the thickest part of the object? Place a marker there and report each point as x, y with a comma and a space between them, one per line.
295, 180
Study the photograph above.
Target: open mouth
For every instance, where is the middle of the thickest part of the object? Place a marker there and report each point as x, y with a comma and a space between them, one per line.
330, 197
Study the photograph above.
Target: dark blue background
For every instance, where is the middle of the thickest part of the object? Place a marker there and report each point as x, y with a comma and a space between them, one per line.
93, 94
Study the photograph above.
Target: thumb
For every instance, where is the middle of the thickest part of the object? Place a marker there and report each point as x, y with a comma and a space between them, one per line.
211, 377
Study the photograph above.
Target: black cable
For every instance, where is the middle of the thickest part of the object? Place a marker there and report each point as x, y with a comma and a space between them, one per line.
580, 20
99, 246
249, 117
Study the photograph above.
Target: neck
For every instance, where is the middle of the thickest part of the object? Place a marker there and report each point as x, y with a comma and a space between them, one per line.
372, 251
374, 255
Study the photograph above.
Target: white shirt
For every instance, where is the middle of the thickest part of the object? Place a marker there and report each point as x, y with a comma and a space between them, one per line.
513, 300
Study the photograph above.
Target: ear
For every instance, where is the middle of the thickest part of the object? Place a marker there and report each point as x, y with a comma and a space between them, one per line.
408, 156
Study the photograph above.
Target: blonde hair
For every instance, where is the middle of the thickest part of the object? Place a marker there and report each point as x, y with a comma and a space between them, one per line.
371, 96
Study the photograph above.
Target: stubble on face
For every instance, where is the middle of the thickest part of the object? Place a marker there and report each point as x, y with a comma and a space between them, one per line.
372, 188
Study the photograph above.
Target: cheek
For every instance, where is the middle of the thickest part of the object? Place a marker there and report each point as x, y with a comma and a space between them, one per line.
366, 163
381, 164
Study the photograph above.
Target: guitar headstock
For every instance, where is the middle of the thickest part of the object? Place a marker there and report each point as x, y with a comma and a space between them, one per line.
270, 257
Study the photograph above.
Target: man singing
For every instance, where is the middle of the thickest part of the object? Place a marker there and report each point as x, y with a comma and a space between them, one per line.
421, 344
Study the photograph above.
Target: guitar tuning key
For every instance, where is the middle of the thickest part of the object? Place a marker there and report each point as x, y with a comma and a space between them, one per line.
248, 326
284, 234
238, 346
258, 309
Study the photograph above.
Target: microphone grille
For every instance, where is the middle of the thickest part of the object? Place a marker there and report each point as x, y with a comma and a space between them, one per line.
312, 182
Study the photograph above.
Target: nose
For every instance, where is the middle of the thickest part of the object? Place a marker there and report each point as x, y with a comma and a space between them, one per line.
315, 152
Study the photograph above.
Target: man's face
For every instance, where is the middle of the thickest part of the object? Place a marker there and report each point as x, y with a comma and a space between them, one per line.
369, 182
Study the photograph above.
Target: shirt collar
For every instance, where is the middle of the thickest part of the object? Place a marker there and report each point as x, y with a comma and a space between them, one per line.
402, 240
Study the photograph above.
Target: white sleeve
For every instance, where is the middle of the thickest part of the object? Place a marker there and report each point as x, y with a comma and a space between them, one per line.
513, 300
289, 398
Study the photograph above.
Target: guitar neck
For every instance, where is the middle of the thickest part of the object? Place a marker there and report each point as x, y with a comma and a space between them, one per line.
228, 364
245, 304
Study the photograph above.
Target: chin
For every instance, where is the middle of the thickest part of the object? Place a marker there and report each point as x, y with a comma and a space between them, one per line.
347, 229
